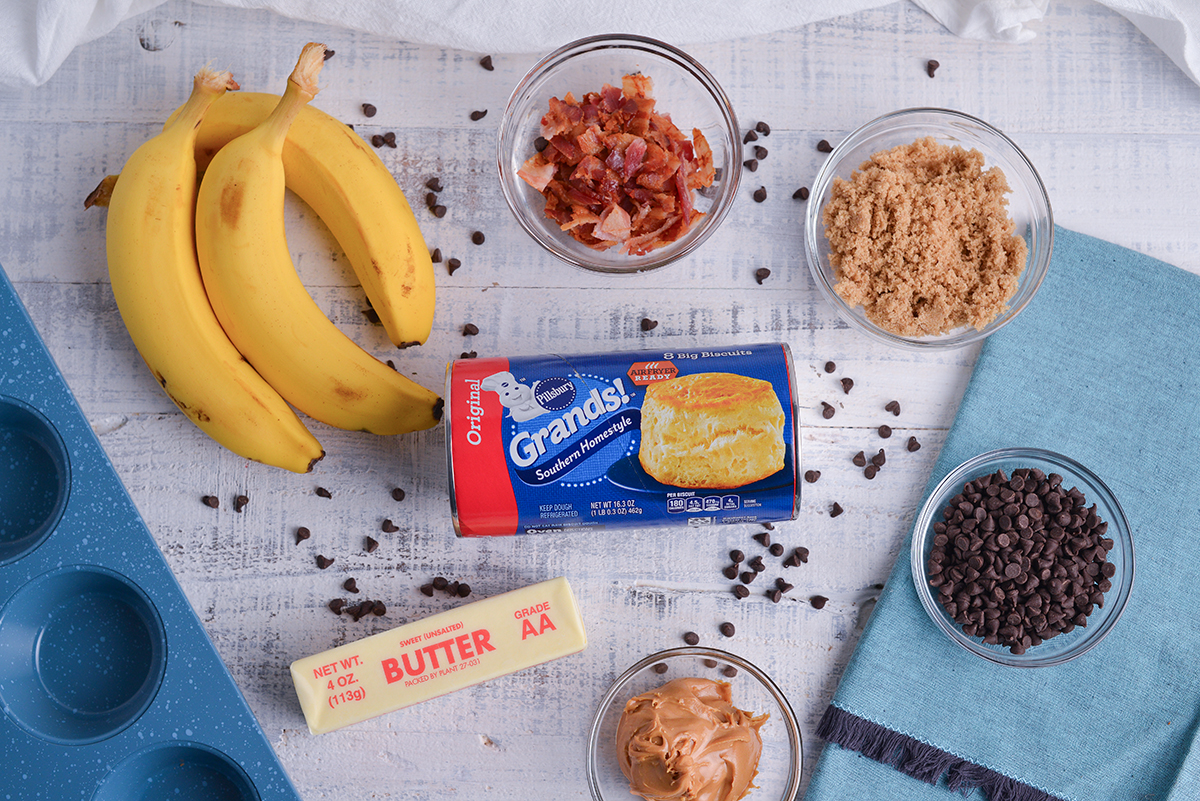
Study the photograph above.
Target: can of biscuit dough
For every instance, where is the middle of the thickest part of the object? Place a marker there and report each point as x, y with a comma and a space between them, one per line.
622, 440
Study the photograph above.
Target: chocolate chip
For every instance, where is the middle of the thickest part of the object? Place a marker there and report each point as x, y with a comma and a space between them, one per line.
691, 638
761, 274
464, 589
389, 138
239, 503
893, 407
372, 316
776, 549
476, 116
860, 459
470, 330
329, 54
434, 184
870, 471
440, 583
824, 146
541, 143
830, 367
648, 324
760, 152
210, 501
818, 601
368, 110
775, 595
836, 509
931, 67
388, 527
436, 256
427, 589
740, 591
752, 166
378, 609
477, 237
350, 585
302, 534
764, 538
370, 544
802, 555
729, 671
439, 211
800, 194
709, 663
727, 629
783, 585
760, 194
323, 562
322, 492
769, 526
748, 576
750, 136
847, 385
827, 411
452, 265
811, 476
736, 556
730, 572
763, 129
885, 431
660, 668
397, 494
486, 63
377, 140
913, 445
879, 459
756, 564
337, 605
468, 354
452, 588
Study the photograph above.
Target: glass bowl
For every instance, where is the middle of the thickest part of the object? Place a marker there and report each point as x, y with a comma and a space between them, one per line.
1064, 646
1028, 206
779, 767
683, 90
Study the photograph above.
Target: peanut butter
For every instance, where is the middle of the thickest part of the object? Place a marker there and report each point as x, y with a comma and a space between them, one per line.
686, 741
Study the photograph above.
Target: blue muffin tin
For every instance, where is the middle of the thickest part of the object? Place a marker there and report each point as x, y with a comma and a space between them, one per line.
110, 687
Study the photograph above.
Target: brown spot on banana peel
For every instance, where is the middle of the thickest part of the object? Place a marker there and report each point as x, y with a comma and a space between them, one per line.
231, 204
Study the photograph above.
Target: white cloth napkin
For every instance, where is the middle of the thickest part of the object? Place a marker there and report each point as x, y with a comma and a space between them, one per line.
42, 33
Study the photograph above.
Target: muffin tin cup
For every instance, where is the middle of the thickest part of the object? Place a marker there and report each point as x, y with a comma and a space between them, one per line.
109, 686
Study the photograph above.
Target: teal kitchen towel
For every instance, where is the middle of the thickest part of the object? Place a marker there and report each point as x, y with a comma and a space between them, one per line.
1104, 367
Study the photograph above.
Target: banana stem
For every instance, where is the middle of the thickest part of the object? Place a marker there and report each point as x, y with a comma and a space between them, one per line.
301, 88
207, 86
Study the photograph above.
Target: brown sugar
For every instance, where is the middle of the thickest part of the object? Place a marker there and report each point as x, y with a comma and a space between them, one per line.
921, 238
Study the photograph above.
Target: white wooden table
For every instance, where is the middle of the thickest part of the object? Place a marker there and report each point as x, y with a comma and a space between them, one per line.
1110, 123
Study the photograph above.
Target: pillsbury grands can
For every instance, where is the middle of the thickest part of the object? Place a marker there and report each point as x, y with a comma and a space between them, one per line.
622, 440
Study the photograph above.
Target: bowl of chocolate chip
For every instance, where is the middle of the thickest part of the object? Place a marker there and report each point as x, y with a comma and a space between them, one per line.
696, 723
928, 229
619, 153
1023, 557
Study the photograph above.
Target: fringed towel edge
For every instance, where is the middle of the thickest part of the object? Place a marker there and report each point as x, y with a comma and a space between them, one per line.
921, 760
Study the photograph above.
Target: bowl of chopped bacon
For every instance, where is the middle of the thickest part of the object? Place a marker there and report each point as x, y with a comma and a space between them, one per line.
619, 153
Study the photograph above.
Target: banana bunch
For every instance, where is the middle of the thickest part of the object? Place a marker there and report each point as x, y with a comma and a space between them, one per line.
206, 287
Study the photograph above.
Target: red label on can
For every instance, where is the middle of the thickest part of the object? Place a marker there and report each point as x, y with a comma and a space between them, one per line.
642, 373
486, 504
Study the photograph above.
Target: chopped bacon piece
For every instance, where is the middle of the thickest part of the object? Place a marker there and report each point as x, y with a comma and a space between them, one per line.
618, 173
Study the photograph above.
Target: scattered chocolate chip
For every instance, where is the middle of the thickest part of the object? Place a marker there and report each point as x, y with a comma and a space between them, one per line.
322, 492
879, 459
470, 330
486, 63
468, 354
800, 194
389, 138
372, 316
824, 146
452, 265
760, 194
439, 211
885, 431
434, 184
477, 237
392, 365
764, 538
691, 638
476, 116
893, 407
830, 367
775, 595
370, 544
756, 564
931, 67
847, 385
302, 534
368, 110
210, 501
337, 605
709, 663
763, 129
818, 601
440, 583
660, 668
350, 585
727, 629
769, 526
239, 503
740, 591
464, 589
648, 324
397, 494
801, 555
811, 476
730, 572
751, 165
783, 585
760, 152
776, 549
729, 671
388, 527
913, 445
750, 136
761, 274
377, 141
836, 509
379, 609
860, 459
748, 576
736, 556
323, 562
427, 589
436, 256
452, 588
541, 143
329, 54
827, 411
870, 471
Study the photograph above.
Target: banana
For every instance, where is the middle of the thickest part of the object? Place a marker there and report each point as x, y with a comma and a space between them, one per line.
339, 175
157, 285
259, 299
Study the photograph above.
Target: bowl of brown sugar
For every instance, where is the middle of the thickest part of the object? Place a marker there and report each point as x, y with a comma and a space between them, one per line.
928, 229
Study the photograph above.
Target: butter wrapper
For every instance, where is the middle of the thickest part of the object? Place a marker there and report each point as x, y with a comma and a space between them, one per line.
438, 654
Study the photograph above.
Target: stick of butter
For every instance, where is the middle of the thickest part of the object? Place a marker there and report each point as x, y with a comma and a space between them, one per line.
438, 655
